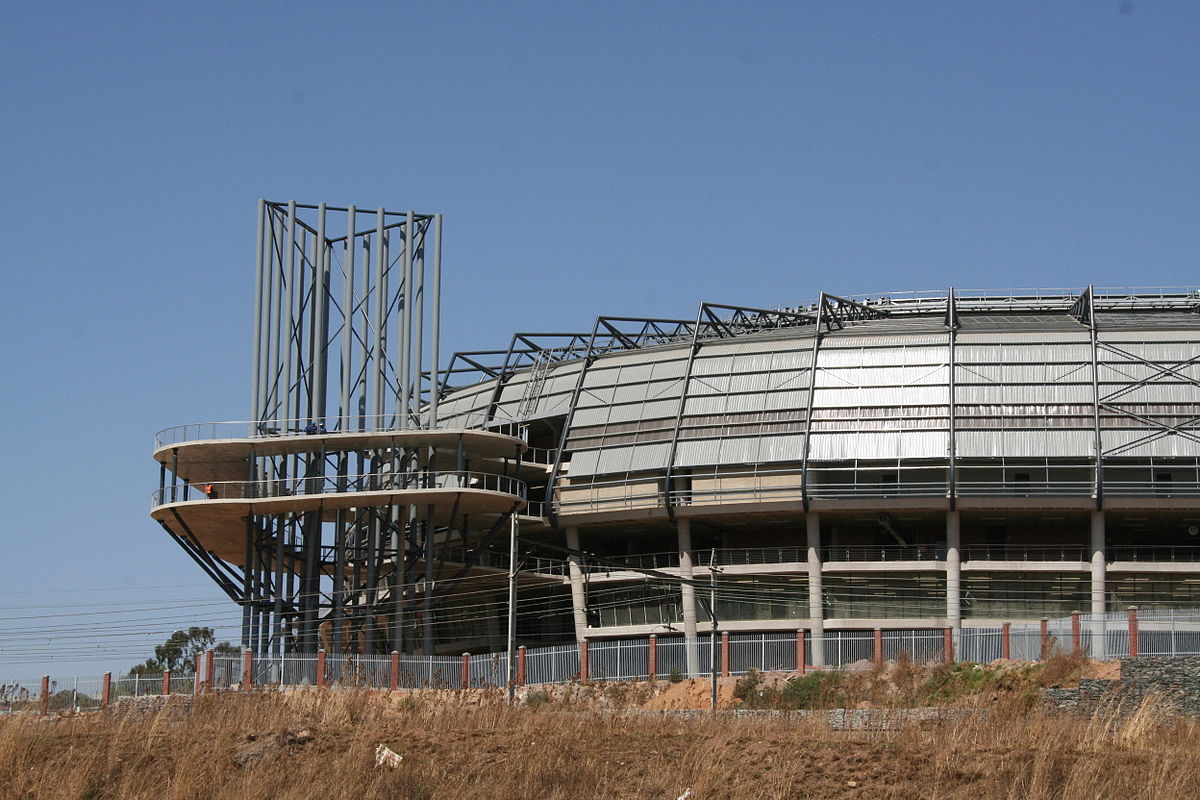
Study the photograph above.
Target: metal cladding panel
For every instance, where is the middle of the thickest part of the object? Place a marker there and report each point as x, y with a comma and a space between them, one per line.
746, 402
791, 360
698, 452
883, 376
774, 449
883, 355
614, 459
664, 390
705, 366
660, 409
709, 384
1008, 353
596, 396
975, 338
748, 382
1045, 373
635, 373
852, 397
1165, 445
713, 404
625, 412
675, 368
727, 348
630, 392
791, 379
1157, 392
840, 446
1173, 352
649, 355
583, 463
586, 417
608, 375
649, 456
783, 401
844, 339
1036, 394
742, 450
1057, 443
752, 362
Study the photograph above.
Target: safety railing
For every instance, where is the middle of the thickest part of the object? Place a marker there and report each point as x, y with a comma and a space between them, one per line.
887, 552
1154, 553
340, 484
307, 426
1024, 552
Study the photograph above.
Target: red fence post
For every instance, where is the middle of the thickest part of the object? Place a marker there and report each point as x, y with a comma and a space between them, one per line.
878, 655
106, 690
583, 661
321, 668
166, 682
209, 671
394, 672
801, 656
652, 658
1045, 651
948, 645
1076, 634
724, 654
1006, 640
44, 701
521, 665
1133, 632
247, 670
466, 670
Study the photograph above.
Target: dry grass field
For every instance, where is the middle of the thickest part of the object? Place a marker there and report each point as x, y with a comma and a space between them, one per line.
321, 744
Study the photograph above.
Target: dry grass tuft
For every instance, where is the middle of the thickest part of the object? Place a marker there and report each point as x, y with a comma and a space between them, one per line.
318, 743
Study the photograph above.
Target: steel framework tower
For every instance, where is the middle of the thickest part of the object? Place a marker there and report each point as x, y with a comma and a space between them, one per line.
339, 511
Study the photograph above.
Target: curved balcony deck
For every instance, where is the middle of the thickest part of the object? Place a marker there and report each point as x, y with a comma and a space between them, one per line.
218, 520
217, 451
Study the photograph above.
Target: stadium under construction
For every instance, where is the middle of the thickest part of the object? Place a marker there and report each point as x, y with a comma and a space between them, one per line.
906, 461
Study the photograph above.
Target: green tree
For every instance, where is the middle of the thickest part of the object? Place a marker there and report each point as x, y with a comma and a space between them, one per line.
181, 652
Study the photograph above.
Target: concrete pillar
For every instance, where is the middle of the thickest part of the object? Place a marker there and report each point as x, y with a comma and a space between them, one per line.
816, 607
1134, 644
166, 682
1006, 640
1098, 567
465, 670
801, 656
652, 658
688, 597
953, 571
521, 658
578, 596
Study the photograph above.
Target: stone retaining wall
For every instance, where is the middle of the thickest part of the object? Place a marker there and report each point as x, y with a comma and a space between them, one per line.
1175, 678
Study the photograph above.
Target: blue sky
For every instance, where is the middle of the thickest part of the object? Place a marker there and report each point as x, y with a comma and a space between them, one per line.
589, 158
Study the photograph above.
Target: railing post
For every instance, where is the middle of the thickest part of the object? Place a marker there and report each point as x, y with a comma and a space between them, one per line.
466, 670
521, 665
724, 654
44, 700
1133, 632
948, 645
1045, 650
209, 671
878, 654
652, 659
801, 656
1076, 634
247, 670
166, 682
106, 690
320, 677
1006, 640
394, 672
198, 678
583, 661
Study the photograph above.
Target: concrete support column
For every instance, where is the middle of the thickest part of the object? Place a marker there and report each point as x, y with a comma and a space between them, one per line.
578, 596
953, 571
1098, 570
688, 597
816, 606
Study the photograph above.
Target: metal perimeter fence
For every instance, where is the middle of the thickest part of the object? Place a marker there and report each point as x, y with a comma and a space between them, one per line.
1113, 635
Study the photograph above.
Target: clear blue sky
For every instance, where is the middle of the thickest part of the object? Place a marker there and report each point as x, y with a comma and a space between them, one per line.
619, 158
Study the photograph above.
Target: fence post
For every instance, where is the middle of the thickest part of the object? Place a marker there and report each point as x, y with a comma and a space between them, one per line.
198, 678
321, 668
466, 670
1045, 651
209, 671
166, 682
1133, 632
1006, 640
724, 654
877, 656
652, 659
394, 672
583, 661
247, 670
801, 656
521, 665
44, 703
106, 690
948, 645
1076, 634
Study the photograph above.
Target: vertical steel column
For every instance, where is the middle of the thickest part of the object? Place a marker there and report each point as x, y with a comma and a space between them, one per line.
669, 474
364, 394
1094, 332
808, 415
320, 334
274, 399
257, 375
348, 327
285, 392
418, 329
247, 575
404, 328
378, 364
952, 416
435, 323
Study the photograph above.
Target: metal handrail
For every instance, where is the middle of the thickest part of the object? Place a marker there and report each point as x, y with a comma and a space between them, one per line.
305, 426
339, 484
1153, 553
1024, 552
